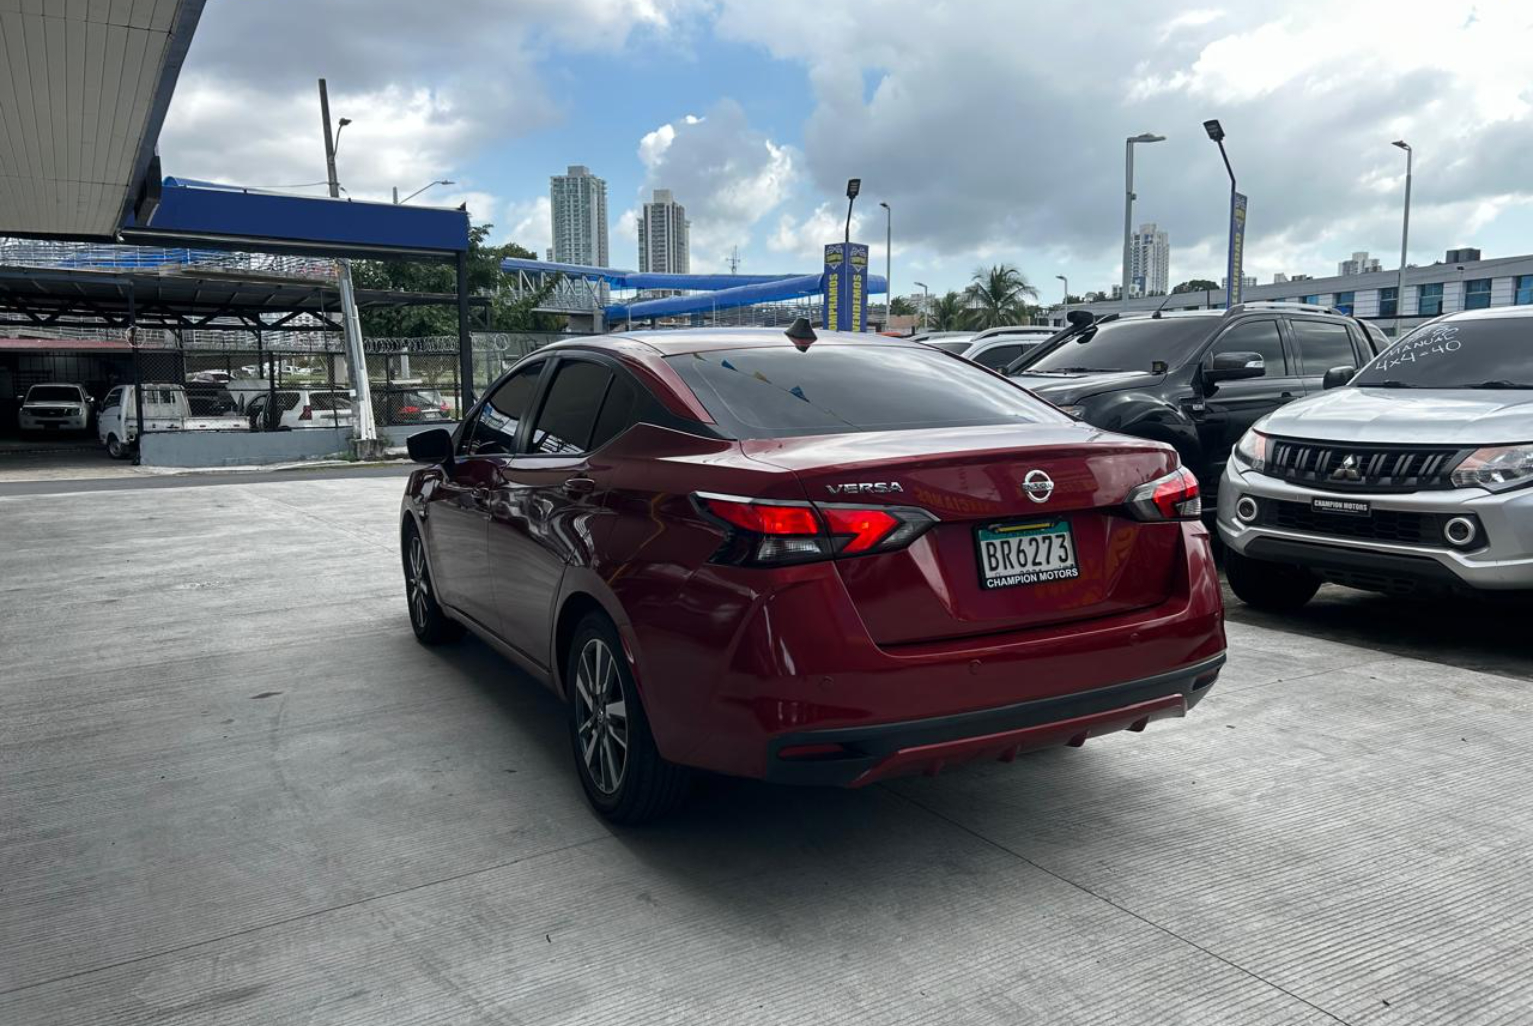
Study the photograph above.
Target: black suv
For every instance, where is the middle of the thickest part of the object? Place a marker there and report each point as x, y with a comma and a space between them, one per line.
1197, 379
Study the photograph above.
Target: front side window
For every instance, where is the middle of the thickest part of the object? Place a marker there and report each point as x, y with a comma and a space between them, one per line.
1345, 301
493, 431
1254, 337
1323, 345
565, 422
113, 398
1389, 302
832, 389
1430, 303
1477, 294
1492, 353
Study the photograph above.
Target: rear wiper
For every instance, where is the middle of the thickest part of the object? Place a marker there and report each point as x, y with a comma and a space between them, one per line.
1496, 384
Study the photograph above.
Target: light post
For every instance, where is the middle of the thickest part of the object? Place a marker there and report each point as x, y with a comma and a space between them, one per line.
853, 187
417, 192
1235, 265
1065, 311
888, 261
1405, 235
1128, 198
926, 299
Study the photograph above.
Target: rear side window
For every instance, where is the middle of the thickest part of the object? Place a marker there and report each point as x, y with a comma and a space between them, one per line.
1323, 345
997, 357
568, 416
493, 431
330, 401
617, 410
1255, 337
845, 388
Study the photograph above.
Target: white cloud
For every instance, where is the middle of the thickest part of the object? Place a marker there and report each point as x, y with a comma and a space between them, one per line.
530, 225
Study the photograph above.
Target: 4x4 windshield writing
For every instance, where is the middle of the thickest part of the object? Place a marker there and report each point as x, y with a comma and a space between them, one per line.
1127, 345
835, 389
1457, 354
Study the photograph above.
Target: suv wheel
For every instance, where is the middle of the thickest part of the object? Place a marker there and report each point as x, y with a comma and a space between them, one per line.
1279, 587
621, 770
432, 626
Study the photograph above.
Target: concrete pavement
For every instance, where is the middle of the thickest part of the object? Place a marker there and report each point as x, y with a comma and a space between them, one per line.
233, 789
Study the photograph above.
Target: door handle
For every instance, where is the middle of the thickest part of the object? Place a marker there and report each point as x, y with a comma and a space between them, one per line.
579, 487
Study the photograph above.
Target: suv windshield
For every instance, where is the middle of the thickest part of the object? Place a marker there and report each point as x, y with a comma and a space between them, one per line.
1490, 353
838, 389
1127, 345
53, 394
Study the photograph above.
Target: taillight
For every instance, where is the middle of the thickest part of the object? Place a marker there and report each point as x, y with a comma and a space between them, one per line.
771, 533
1173, 497
307, 414
409, 409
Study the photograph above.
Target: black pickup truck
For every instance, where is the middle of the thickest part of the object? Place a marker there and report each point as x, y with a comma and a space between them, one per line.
1196, 379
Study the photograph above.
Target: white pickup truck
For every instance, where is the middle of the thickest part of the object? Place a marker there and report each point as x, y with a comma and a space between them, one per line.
165, 409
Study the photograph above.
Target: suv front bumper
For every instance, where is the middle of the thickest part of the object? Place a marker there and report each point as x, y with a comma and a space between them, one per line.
1501, 559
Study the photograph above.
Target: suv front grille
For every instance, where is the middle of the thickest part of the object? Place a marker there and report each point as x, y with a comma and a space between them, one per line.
1346, 466
1387, 525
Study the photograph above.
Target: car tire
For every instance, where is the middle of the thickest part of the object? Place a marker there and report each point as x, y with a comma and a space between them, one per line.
1277, 587
624, 776
115, 448
431, 624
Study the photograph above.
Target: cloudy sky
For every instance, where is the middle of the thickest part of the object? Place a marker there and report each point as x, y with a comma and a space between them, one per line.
993, 128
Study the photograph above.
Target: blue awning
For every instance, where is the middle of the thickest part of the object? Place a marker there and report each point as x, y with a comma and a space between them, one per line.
775, 290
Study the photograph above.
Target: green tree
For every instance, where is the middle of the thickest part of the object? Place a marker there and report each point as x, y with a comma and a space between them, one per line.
998, 295
486, 281
1196, 285
948, 313
899, 306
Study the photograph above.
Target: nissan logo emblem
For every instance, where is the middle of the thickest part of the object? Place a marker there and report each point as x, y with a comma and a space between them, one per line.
1038, 486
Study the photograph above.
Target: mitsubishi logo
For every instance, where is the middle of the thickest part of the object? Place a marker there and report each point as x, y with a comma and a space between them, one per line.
1037, 485
1347, 471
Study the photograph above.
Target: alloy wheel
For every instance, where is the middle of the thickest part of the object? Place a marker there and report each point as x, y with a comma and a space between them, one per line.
418, 584
602, 715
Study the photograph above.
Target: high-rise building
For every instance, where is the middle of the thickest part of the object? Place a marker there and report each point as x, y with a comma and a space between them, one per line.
1149, 261
663, 245
578, 210
1361, 263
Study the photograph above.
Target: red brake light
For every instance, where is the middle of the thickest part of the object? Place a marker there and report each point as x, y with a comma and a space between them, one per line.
307, 414
409, 409
867, 527
780, 533
1173, 497
764, 519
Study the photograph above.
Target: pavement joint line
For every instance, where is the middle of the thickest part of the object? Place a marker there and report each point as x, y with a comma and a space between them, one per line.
1121, 908
300, 917
1235, 689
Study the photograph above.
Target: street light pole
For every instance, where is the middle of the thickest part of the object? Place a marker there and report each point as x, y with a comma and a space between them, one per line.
1405, 234
926, 299
1065, 313
853, 187
417, 192
888, 260
1232, 286
1128, 198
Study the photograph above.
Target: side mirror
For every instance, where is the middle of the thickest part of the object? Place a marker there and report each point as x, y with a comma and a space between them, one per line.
1337, 377
434, 446
1235, 367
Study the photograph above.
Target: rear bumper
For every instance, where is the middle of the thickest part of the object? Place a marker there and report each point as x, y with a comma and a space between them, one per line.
857, 756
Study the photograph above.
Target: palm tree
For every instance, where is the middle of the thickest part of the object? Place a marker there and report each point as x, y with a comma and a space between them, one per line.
947, 313
998, 295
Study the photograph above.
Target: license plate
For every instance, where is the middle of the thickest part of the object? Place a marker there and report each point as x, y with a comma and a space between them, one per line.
1025, 552
1346, 507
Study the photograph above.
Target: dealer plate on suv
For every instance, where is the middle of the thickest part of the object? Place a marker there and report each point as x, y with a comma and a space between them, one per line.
1346, 507
1025, 552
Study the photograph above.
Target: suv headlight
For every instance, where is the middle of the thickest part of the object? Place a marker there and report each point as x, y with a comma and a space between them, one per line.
1252, 450
1496, 468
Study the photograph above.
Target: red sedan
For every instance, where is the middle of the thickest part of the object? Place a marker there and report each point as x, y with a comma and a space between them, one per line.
817, 561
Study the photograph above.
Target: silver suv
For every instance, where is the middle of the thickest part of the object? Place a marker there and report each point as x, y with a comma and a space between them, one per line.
1416, 476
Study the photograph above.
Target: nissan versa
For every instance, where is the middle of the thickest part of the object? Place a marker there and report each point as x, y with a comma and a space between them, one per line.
1414, 478
818, 561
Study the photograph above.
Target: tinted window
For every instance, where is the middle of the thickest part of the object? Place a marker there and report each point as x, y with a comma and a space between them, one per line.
617, 410
568, 416
839, 389
1429, 301
1323, 345
1255, 337
330, 401
951, 346
493, 431
1128, 345
1458, 354
997, 357
53, 393
1388, 301
1477, 294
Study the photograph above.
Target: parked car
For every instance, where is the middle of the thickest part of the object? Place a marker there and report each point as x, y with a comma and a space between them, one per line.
210, 399
998, 348
290, 408
165, 408
1196, 379
54, 407
1412, 478
410, 406
815, 561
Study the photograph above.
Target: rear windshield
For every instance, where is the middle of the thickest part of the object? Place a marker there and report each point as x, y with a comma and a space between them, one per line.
1127, 345
53, 394
329, 401
840, 389
1490, 353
